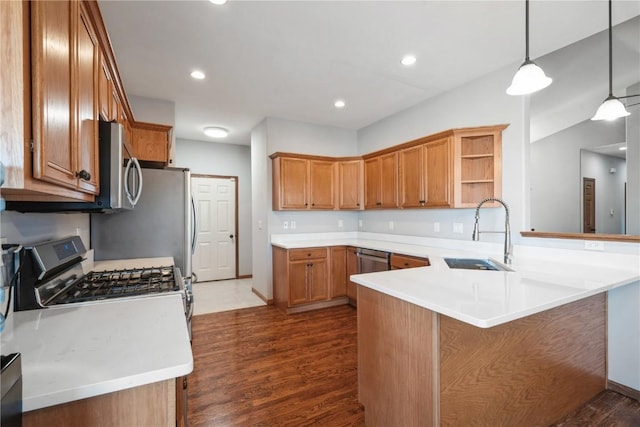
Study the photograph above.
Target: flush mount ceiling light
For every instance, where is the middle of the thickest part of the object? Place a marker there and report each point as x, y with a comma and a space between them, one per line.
611, 108
218, 2
197, 74
529, 78
216, 132
339, 103
408, 60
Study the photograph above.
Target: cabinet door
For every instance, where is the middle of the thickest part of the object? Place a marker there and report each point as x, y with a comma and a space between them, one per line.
321, 184
350, 184
54, 153
318, 280
86, 79
411, 170
338, 286
293, 183
352, 268
439, 179
298, 282
372, 183
151, 142
389, 180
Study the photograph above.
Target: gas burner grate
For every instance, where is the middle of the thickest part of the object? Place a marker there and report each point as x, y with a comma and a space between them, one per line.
97, 285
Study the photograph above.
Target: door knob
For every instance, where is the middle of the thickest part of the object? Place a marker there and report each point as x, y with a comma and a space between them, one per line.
231, 236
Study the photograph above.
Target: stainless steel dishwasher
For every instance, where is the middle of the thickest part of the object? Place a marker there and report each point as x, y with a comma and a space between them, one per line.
370, 261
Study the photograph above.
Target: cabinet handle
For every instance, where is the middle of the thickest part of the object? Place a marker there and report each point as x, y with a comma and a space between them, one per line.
83, 174
378, 203
406, 264
308, 254
313, 204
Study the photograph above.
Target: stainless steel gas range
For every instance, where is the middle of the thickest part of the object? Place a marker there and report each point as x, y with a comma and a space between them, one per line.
51, 274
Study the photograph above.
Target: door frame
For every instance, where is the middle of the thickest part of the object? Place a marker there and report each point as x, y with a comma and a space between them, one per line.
235, 220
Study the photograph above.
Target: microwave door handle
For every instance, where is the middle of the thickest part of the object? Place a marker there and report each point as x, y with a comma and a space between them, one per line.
139, 187
127, 171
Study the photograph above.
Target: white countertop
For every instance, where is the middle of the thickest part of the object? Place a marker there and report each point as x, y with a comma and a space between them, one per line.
84, 350
542, 278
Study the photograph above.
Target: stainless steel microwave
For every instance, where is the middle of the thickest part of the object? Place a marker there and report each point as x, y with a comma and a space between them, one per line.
120, 179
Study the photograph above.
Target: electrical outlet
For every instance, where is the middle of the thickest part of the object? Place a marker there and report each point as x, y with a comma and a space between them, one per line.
457, 227
259, 224
340, 223
436, 227
285, 225
360, 223
77, 231
390, 225
593, 245
293, 225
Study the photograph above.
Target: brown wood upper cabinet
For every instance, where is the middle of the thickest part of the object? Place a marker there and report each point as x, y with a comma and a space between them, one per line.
303, 183
424, 172
65, 95
58, 72
381, 181
350, 184
456, 168
151, 142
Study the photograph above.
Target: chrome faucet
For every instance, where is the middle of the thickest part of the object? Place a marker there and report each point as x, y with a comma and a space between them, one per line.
508, 248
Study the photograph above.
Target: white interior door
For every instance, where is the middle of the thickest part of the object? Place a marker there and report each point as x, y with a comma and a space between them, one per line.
215, 254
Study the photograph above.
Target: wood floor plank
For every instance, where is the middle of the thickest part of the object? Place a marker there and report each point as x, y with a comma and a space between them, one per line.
260, 367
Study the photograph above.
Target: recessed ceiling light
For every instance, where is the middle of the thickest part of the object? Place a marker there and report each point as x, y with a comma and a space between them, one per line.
216, 132
197, 74
218, 2
339, 103
408, 60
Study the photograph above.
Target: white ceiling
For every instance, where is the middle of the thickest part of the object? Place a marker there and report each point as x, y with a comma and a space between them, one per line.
292, 59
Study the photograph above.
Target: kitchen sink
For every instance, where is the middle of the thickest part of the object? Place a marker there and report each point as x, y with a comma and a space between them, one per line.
475, 264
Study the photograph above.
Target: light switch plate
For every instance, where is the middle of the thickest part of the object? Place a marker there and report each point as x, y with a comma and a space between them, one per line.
285, 225
457, 227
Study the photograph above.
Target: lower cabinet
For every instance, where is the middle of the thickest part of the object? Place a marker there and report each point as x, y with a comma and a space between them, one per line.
406, 261
303, 280
150, 405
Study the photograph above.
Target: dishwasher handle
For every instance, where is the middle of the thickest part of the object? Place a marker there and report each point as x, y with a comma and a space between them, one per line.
372, 258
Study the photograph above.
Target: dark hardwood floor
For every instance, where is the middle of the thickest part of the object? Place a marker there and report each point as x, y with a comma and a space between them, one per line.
259, 367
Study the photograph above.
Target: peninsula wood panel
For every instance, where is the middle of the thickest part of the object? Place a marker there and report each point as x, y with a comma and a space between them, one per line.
531, 371
395, 363
148, 405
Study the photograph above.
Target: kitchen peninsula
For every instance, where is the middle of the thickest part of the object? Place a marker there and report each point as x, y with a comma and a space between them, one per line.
440, 346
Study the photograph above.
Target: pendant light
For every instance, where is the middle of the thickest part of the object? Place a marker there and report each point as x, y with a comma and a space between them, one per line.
529, 78
611, 108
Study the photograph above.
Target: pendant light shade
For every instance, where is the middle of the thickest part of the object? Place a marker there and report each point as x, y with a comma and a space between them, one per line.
611, 108
529, 78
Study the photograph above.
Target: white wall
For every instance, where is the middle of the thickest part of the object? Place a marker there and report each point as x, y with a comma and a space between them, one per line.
556, 183
260, 203
213, 158
624, 335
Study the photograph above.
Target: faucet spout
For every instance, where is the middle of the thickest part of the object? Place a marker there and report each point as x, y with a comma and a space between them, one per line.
508, 247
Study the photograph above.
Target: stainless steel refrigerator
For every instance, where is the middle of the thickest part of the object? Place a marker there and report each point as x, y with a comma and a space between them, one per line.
162, 223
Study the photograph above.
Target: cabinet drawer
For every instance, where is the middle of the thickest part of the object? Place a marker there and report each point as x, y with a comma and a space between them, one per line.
406, 261
310, 253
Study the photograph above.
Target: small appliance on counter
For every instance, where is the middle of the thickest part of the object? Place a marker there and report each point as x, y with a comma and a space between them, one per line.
11, 384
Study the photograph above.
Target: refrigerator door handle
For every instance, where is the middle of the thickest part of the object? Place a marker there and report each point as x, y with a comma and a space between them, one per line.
138, 189
194, 231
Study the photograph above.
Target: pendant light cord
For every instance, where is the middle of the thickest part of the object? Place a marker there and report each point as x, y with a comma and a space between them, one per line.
526, 31
610, 54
